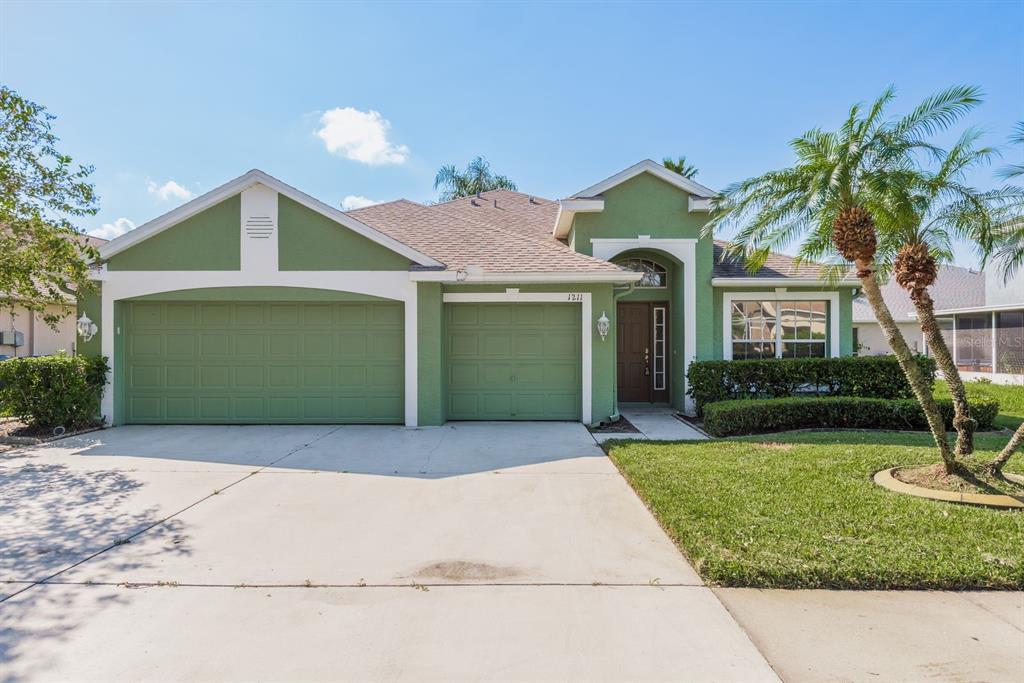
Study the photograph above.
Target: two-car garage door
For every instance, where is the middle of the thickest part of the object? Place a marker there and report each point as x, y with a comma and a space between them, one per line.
264, 362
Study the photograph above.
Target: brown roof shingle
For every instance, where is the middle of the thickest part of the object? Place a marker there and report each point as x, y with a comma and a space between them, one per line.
500, 231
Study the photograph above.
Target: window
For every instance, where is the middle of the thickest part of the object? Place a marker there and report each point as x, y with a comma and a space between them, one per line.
654, 273
779, 329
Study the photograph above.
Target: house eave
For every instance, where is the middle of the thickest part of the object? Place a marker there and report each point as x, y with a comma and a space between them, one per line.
778, 282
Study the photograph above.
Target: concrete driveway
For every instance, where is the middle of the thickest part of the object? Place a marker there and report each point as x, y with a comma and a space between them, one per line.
465, 552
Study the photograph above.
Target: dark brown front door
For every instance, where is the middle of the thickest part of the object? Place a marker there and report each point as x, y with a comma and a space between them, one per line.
642, 339
634, 352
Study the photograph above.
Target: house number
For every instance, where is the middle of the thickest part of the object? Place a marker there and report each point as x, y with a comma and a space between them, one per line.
575, 297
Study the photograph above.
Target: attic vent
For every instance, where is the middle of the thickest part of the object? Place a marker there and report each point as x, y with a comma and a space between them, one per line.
259, 227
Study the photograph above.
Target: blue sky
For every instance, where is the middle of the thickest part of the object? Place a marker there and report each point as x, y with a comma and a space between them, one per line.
557, 96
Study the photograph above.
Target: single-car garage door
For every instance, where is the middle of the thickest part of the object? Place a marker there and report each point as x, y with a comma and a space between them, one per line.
263, 362
516, 361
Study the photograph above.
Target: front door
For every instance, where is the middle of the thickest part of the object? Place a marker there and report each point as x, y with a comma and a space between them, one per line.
642, 354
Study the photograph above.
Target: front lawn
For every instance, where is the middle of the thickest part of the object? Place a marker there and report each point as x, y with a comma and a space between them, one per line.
799, 510
1010, 397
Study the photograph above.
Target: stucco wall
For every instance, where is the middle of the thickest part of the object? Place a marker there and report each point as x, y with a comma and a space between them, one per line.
872, 339
39, 338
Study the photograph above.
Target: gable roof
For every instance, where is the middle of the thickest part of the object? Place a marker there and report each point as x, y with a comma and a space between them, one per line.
954, 288
646, 166
499, 231
242, 182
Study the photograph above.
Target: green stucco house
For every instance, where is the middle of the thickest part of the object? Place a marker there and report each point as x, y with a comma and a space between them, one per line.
256, 303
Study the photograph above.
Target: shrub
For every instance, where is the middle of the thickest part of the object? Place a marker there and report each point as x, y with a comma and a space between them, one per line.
864, 376
758, 416
53, 391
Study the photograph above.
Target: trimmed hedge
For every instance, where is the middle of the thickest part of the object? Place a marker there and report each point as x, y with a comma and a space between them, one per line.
53, 391
758, 416
864, 376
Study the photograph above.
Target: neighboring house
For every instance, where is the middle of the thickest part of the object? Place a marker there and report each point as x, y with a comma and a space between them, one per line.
955, 287
257, 303
24, 333
987, 339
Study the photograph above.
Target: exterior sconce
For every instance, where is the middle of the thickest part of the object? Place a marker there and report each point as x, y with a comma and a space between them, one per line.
603, 325
87, 329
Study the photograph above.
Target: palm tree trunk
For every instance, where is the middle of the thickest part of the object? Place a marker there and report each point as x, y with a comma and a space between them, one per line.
996, 466
918, 382
963, 423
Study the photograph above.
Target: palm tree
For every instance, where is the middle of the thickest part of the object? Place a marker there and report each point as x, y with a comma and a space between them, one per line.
830, 197
680, 166
1009, 253
475, 179
918, 215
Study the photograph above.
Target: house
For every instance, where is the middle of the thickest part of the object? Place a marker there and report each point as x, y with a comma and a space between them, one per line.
25, 333
987, 338
955, 287
258, 303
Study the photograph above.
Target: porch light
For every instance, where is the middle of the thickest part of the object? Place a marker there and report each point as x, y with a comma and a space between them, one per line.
87, 329
603, 325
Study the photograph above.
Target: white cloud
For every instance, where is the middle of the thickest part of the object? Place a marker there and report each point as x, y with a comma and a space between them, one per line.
355, 201
109, 231
360, 136
170, 190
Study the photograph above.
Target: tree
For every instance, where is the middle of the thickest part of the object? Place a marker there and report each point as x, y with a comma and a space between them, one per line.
44, 259
475, 179
829, 198
918, 216
1008, 250
680, 166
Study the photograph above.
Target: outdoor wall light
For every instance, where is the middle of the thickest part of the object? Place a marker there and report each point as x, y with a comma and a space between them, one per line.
87, 329
603, 325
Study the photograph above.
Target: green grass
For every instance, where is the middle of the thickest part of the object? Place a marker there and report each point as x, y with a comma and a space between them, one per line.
799, 510
1010, 397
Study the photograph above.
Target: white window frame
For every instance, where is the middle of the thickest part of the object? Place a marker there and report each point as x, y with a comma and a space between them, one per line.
832, 311
659, 359
588, 325
663, 272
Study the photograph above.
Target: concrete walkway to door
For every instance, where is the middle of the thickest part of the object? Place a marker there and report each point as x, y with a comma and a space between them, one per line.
656, 422
465, 552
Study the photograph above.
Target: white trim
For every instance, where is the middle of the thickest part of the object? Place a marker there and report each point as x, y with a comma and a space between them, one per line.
683, 250
833, 314
980, 309
646, 166
435, 275
120, 285
587, 341
776, 282
242, 182
563, 277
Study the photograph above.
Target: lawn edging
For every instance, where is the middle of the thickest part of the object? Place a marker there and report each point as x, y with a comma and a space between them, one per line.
887, 479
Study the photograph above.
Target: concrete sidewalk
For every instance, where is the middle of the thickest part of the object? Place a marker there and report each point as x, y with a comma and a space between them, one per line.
656, 423
815, 636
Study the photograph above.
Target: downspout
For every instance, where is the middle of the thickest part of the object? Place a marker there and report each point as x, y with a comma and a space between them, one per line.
616, 295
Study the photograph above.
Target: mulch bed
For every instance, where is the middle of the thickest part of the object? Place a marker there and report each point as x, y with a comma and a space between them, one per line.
623, 426
14, 431
936, 478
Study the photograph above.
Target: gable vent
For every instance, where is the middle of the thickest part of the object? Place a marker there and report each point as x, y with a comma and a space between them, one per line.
259, 227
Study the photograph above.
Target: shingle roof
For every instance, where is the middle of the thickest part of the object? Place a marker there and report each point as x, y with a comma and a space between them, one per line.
955, 287
500, 231
777, 266
511, 232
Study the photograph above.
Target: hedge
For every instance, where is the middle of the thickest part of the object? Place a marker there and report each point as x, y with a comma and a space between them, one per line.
53, 391
864, 376
758, 416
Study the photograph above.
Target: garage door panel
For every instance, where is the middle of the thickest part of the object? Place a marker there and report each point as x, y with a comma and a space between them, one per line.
264, 362
518, 361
